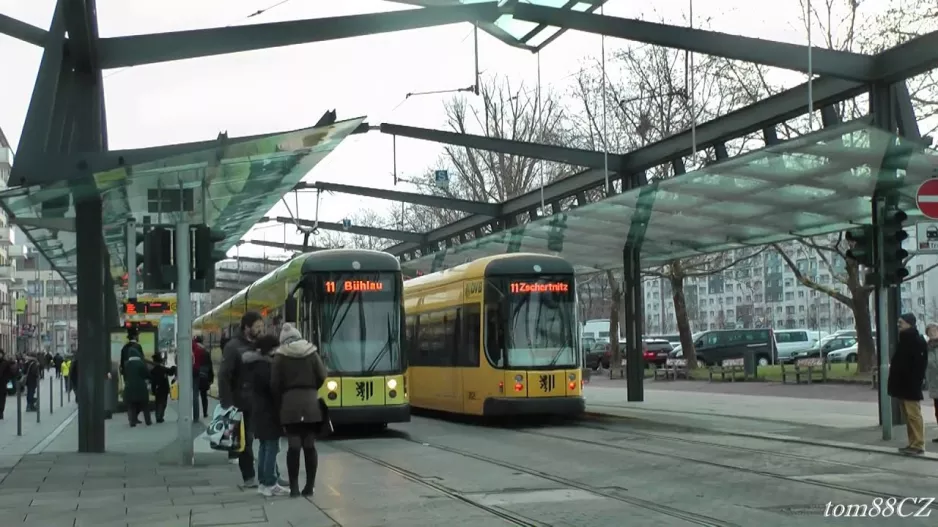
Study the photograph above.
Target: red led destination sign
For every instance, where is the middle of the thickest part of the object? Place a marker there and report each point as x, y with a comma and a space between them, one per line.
355, 286
539, 287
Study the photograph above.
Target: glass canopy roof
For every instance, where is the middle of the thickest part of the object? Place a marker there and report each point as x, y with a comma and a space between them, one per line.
520, 33
229, 188
818, 184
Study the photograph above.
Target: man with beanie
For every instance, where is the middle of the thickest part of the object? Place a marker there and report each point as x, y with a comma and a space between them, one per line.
906, 374
234, 390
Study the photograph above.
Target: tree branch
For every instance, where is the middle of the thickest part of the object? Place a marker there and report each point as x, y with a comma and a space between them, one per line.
811, 284
727, 266
916, 275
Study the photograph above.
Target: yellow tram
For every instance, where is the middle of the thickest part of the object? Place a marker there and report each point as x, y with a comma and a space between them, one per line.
349, 303
495, 337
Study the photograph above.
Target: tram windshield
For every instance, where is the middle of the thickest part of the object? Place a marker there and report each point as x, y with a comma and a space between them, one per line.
538, 324
360, 322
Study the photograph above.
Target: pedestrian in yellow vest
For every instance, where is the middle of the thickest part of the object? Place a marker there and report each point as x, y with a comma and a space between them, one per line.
66, 367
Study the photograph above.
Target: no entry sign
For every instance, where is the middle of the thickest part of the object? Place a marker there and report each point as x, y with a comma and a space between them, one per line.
927, 199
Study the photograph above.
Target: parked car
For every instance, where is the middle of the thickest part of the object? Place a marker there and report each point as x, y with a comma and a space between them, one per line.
824, 347
673, 339
790, 341
848, 354
656, 351
715, 346
598, 356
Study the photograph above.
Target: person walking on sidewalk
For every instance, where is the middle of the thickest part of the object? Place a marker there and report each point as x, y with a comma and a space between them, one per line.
931, 368
906, 375
266, 415
231, 386
159, 383
203, 376
136, 394
296, 376
7, 374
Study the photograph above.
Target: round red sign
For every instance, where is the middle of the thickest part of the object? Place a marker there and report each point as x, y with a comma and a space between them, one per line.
927, 198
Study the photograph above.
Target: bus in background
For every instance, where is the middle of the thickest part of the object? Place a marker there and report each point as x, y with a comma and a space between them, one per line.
495, 337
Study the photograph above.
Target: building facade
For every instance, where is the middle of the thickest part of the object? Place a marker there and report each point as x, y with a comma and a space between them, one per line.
764, 292
50, 318
7, 250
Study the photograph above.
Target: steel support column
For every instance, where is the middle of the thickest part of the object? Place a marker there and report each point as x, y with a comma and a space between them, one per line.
92, 341
634, 315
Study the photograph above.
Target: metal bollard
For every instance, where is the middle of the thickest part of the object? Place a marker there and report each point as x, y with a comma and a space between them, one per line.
19, 408
61, 392
51, 397
38, 403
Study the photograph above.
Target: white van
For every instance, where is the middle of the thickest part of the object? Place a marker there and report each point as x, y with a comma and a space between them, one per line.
598, 330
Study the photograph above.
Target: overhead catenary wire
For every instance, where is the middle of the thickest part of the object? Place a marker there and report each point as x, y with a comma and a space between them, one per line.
693, 90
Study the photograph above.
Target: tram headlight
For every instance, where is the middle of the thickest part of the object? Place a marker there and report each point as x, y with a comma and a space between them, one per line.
332, 385
392, 383
572, 376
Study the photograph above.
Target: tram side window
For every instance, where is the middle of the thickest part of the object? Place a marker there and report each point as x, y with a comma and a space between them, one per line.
471, 333
410, 338
451, 346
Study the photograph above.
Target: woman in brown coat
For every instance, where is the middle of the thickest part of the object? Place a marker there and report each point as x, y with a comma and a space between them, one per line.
297, 374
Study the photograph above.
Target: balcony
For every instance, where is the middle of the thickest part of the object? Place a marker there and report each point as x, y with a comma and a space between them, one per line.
18, 251
7, 273
6, 156
6, 236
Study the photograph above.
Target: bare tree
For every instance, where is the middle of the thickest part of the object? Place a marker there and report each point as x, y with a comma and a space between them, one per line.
364, 218
653, 93
677, 271
505, 111
832, 256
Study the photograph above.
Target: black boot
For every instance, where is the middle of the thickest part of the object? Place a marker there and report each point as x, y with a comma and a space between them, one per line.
311, 458
293, 471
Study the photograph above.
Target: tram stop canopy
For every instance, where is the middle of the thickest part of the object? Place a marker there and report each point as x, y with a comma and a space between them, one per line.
814, 185
229, 187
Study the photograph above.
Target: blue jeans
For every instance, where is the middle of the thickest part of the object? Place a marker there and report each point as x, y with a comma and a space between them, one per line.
267, 471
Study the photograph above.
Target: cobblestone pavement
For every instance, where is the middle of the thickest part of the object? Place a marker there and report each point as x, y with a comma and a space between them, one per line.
433, 472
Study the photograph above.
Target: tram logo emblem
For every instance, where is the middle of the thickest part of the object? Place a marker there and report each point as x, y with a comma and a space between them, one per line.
364, 390
547, 383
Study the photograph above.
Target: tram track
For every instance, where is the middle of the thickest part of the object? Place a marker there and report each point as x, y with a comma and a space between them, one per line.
751, 450
725, 466
511, 518
666, 510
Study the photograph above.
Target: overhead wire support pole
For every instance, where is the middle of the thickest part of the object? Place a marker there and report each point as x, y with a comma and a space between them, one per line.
602, 46
183, 339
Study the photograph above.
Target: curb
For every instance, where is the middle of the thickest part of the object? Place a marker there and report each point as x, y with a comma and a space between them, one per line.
857, 447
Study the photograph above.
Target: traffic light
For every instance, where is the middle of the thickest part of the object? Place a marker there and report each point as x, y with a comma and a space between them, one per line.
894, 256
205, 257
159, 274
861, 246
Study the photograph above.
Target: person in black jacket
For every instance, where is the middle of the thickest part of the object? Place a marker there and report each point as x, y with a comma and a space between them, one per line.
265, 411
159, 384
906, 375
231, 387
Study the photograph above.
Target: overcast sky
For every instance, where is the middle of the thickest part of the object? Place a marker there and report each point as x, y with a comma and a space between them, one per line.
289, 88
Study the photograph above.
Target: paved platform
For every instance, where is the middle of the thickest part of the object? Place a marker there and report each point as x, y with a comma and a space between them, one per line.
13, 447
433, 472
837, 415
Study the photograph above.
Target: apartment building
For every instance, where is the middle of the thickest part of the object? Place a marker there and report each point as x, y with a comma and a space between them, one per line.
764, 292
50, 319
7, 250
